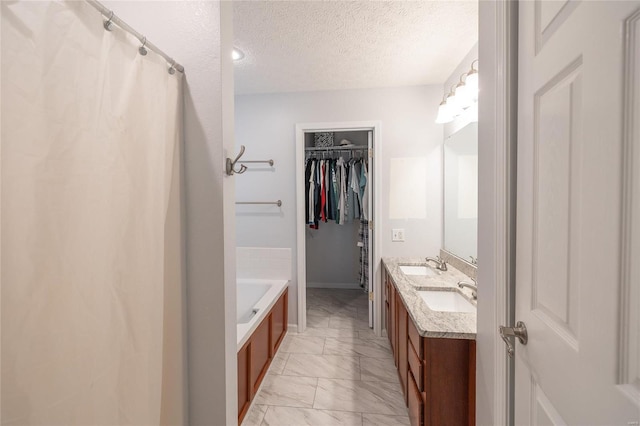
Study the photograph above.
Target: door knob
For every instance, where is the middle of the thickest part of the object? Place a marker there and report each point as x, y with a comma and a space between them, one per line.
519, 332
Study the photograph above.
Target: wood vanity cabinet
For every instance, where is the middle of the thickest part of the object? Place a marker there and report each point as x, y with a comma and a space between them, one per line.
437, 375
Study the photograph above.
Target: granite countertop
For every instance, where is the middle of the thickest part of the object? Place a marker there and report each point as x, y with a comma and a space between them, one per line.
451, 325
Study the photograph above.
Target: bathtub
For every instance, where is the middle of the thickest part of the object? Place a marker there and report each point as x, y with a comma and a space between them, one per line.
255, 298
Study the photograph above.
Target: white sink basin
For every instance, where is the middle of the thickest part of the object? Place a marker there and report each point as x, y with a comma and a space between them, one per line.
446, 301
417, 270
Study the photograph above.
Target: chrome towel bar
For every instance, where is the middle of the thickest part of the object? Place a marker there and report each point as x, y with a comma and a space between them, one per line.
277, 203
270, 162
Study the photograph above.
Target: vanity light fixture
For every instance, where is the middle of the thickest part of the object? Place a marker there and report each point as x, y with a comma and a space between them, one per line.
462, 98
237, 54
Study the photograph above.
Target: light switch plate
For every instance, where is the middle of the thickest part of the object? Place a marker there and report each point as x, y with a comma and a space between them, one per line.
397, 235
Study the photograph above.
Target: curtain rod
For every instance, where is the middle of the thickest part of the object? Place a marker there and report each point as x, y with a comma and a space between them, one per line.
147, 44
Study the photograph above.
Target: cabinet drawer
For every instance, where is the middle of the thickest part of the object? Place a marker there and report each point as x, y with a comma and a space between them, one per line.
415, 403
415, 338
415, 366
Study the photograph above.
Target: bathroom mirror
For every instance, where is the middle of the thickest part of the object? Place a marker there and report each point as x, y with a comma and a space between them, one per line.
461, 193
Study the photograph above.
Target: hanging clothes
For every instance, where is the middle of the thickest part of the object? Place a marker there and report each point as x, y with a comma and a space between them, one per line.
335, 190
364, 196
342, 204
355, 189
363, 234
323, 192
327, 190
349, 204
316, 195
308, 211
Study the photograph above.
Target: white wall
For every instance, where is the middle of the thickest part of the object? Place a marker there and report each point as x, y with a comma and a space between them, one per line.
265, 124
195, 33
263, 263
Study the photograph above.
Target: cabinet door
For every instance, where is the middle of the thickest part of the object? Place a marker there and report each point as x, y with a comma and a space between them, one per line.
278, 322
393, 330
387, 318
259, 354
243, 382
415, 403
403, 365
447, 376
385, 284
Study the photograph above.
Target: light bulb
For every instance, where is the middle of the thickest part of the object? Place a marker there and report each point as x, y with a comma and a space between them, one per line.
472, 84
463, 97
444, 114
236, 54
472, 112
454, 106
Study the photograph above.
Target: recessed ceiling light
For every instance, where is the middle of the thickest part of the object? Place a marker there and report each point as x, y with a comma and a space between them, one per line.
237, 54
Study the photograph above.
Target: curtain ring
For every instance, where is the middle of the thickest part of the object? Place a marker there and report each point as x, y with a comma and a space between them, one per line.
107, 24
171, 69
142, 49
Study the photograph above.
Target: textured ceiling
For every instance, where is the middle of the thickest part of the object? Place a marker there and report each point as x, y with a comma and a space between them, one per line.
326, 45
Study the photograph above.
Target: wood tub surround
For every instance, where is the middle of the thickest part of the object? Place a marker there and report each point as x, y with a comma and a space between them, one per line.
437, 374
255, 356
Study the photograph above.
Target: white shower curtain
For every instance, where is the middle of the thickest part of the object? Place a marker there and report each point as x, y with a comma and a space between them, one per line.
90, 222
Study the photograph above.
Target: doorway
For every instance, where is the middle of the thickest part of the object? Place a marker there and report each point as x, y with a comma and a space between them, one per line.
369, 278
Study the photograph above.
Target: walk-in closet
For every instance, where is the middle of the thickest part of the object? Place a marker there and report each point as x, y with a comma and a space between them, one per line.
338, 211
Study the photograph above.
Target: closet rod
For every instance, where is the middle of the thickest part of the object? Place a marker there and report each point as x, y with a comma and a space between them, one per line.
337, 148
277, 203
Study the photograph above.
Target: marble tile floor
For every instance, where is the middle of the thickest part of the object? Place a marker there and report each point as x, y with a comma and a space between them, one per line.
335, 373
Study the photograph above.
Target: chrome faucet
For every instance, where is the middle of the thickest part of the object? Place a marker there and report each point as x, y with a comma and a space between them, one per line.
441, 265
473, 287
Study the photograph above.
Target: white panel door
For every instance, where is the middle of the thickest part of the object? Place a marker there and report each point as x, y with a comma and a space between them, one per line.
573, 93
